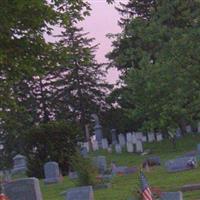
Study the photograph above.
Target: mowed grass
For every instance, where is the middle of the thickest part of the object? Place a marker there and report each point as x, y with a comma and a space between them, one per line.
123, 186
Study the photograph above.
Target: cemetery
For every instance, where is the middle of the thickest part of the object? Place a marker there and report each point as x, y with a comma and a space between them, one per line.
100, 100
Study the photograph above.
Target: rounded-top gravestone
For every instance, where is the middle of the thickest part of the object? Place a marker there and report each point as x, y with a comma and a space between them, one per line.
20, 165
52, 172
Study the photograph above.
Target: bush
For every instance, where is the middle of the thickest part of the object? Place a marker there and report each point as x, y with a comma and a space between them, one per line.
55, 141
87, 173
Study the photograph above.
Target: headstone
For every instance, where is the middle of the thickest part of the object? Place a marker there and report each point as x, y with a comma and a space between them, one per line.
198, 127
23, 189
181, 164
97, 129
129, 138
122, 140
172, 196
87, 146
95, 145
159, 137
139, 135
151, 137
178, 133
73, 175
139, 147
104, 143
118, 148
190, 187
144, 139
84, 152
19, 164
51, 172
6, 176
101, 164
152, 161
80, 193
134, 139
130, 147
114, 136
188, 129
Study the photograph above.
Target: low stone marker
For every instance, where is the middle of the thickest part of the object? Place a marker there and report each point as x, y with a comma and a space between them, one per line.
23, 189
190, 187
139, 147
73, 175
152, 161
181, 164
52, 173
104, 143
19, 164
95, 145
172, 196
80, 193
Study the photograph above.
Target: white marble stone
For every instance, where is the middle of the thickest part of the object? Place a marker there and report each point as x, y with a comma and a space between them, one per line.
104, 143
134, 139
129, 137
139, 147
95, 145
130, 147
118, 148
151, 137
122, 140
159, 137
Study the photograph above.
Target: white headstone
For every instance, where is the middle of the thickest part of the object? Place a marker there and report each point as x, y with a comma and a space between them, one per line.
104, 143
118, 148
159, 137
134, 139
151, 137
95, 145
129, 137
139, 135
122, 140
130, 148
144, 138
139, 147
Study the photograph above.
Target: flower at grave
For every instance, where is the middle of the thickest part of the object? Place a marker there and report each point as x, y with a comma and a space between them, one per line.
3, 197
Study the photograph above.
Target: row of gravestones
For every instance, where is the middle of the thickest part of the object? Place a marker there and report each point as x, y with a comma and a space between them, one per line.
132, 142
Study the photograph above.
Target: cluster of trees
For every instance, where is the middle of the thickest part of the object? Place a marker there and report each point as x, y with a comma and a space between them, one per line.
43, 81
158, 56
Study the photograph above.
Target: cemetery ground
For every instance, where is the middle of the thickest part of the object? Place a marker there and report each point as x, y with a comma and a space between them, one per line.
123, 186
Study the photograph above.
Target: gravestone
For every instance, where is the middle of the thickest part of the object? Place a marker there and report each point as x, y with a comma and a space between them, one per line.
198, 127
144, 139
129, 137
19, 164
134, 139
97, 129
23, 189
95, 145
139, 135
80, 193
73, 175
84, 152
104, 143
130, 147
171, 196
178, 133
87, 146
188, 129
151, 137
181, 164
159, 137
152, 161
118, 148
122, 140
51, 172
100, 163
139, 147
114, 136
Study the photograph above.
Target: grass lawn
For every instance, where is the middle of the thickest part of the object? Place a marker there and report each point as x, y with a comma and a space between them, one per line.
123, 186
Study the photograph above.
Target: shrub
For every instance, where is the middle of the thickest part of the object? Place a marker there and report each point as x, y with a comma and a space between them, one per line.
54, 141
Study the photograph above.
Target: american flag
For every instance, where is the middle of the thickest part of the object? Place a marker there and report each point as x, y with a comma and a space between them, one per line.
146, 192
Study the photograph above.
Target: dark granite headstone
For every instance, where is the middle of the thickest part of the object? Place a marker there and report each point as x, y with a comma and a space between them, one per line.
172, 196
181, 164
23, 189
80, 193
152, 161
52, 172
114, 136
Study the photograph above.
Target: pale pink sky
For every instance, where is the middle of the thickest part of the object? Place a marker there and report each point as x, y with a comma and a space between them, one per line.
103, 20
